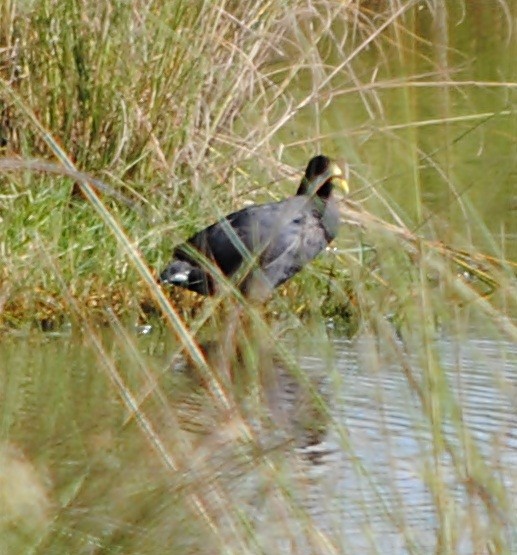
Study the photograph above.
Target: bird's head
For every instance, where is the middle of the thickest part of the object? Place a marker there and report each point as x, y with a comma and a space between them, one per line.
321, 176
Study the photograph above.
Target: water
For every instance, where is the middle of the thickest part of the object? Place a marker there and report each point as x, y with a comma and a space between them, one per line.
366, 484
362, 484
378, 480
424, 123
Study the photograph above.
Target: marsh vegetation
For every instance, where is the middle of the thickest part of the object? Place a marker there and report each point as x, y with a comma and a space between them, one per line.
369, 405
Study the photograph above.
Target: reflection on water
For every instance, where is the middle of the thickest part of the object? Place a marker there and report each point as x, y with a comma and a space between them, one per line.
357, 480
369, 491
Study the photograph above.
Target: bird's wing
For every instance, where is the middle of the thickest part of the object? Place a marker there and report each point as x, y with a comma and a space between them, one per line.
298, 238
230, 240
294, 247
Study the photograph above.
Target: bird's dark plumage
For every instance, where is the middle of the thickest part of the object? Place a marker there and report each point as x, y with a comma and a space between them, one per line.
262, 246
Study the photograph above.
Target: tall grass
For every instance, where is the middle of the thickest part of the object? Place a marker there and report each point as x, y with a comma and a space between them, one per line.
127, 126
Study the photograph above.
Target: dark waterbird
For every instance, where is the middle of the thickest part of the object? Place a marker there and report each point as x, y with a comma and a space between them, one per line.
262, 246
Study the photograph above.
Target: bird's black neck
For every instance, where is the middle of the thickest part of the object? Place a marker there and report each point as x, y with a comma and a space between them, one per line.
323, 192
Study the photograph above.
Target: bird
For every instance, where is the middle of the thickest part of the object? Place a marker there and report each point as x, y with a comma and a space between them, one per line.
262, 246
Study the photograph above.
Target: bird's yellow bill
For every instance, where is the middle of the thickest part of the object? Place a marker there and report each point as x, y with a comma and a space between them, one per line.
341, 183
338, 179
